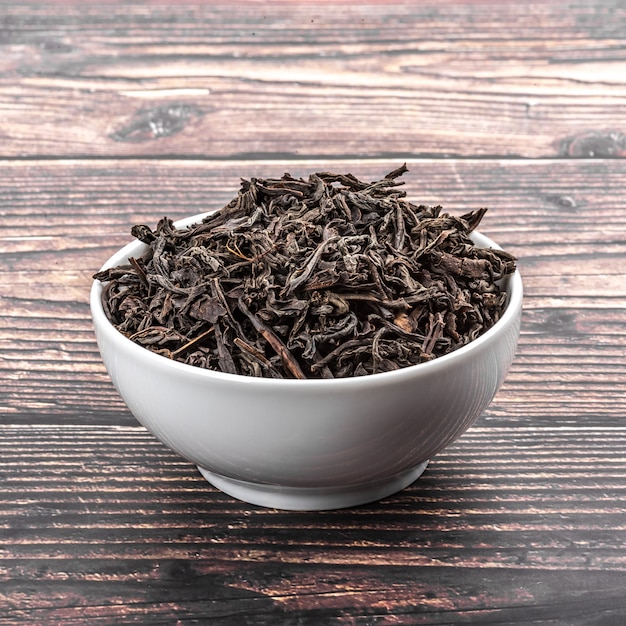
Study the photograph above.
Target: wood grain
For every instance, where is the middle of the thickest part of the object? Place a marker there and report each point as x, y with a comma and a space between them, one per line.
105, 524
486, 79
564, 219
117, 114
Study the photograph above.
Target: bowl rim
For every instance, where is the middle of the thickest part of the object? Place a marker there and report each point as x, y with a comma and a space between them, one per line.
101, 322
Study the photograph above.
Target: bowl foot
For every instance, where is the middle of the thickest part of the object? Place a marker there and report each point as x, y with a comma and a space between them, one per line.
312, 499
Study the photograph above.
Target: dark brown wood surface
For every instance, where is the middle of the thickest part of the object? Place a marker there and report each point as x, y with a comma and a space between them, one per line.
112, 115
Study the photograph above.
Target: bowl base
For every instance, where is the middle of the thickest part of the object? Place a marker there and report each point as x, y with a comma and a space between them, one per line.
312, 498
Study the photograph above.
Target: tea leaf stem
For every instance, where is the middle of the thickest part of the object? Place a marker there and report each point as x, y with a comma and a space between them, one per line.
270, 336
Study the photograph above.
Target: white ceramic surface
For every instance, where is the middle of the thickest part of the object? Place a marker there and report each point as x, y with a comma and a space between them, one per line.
309, 444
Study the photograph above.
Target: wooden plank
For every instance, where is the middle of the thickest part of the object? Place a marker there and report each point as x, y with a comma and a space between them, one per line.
508, 523
59, 221
485, 79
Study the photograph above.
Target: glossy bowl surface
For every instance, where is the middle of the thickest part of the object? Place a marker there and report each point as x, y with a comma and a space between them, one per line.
309, 444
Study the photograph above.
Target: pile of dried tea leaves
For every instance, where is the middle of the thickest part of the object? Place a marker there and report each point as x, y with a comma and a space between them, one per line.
328, 277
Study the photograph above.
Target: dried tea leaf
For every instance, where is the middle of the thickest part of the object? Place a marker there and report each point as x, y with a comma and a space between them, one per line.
325, 277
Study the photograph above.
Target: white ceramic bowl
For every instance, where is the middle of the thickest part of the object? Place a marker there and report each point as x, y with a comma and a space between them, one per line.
309, 444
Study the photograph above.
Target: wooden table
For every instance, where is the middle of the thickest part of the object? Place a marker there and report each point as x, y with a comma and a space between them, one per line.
112, 115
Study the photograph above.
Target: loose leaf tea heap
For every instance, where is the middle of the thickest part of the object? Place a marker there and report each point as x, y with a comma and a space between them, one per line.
328, 277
